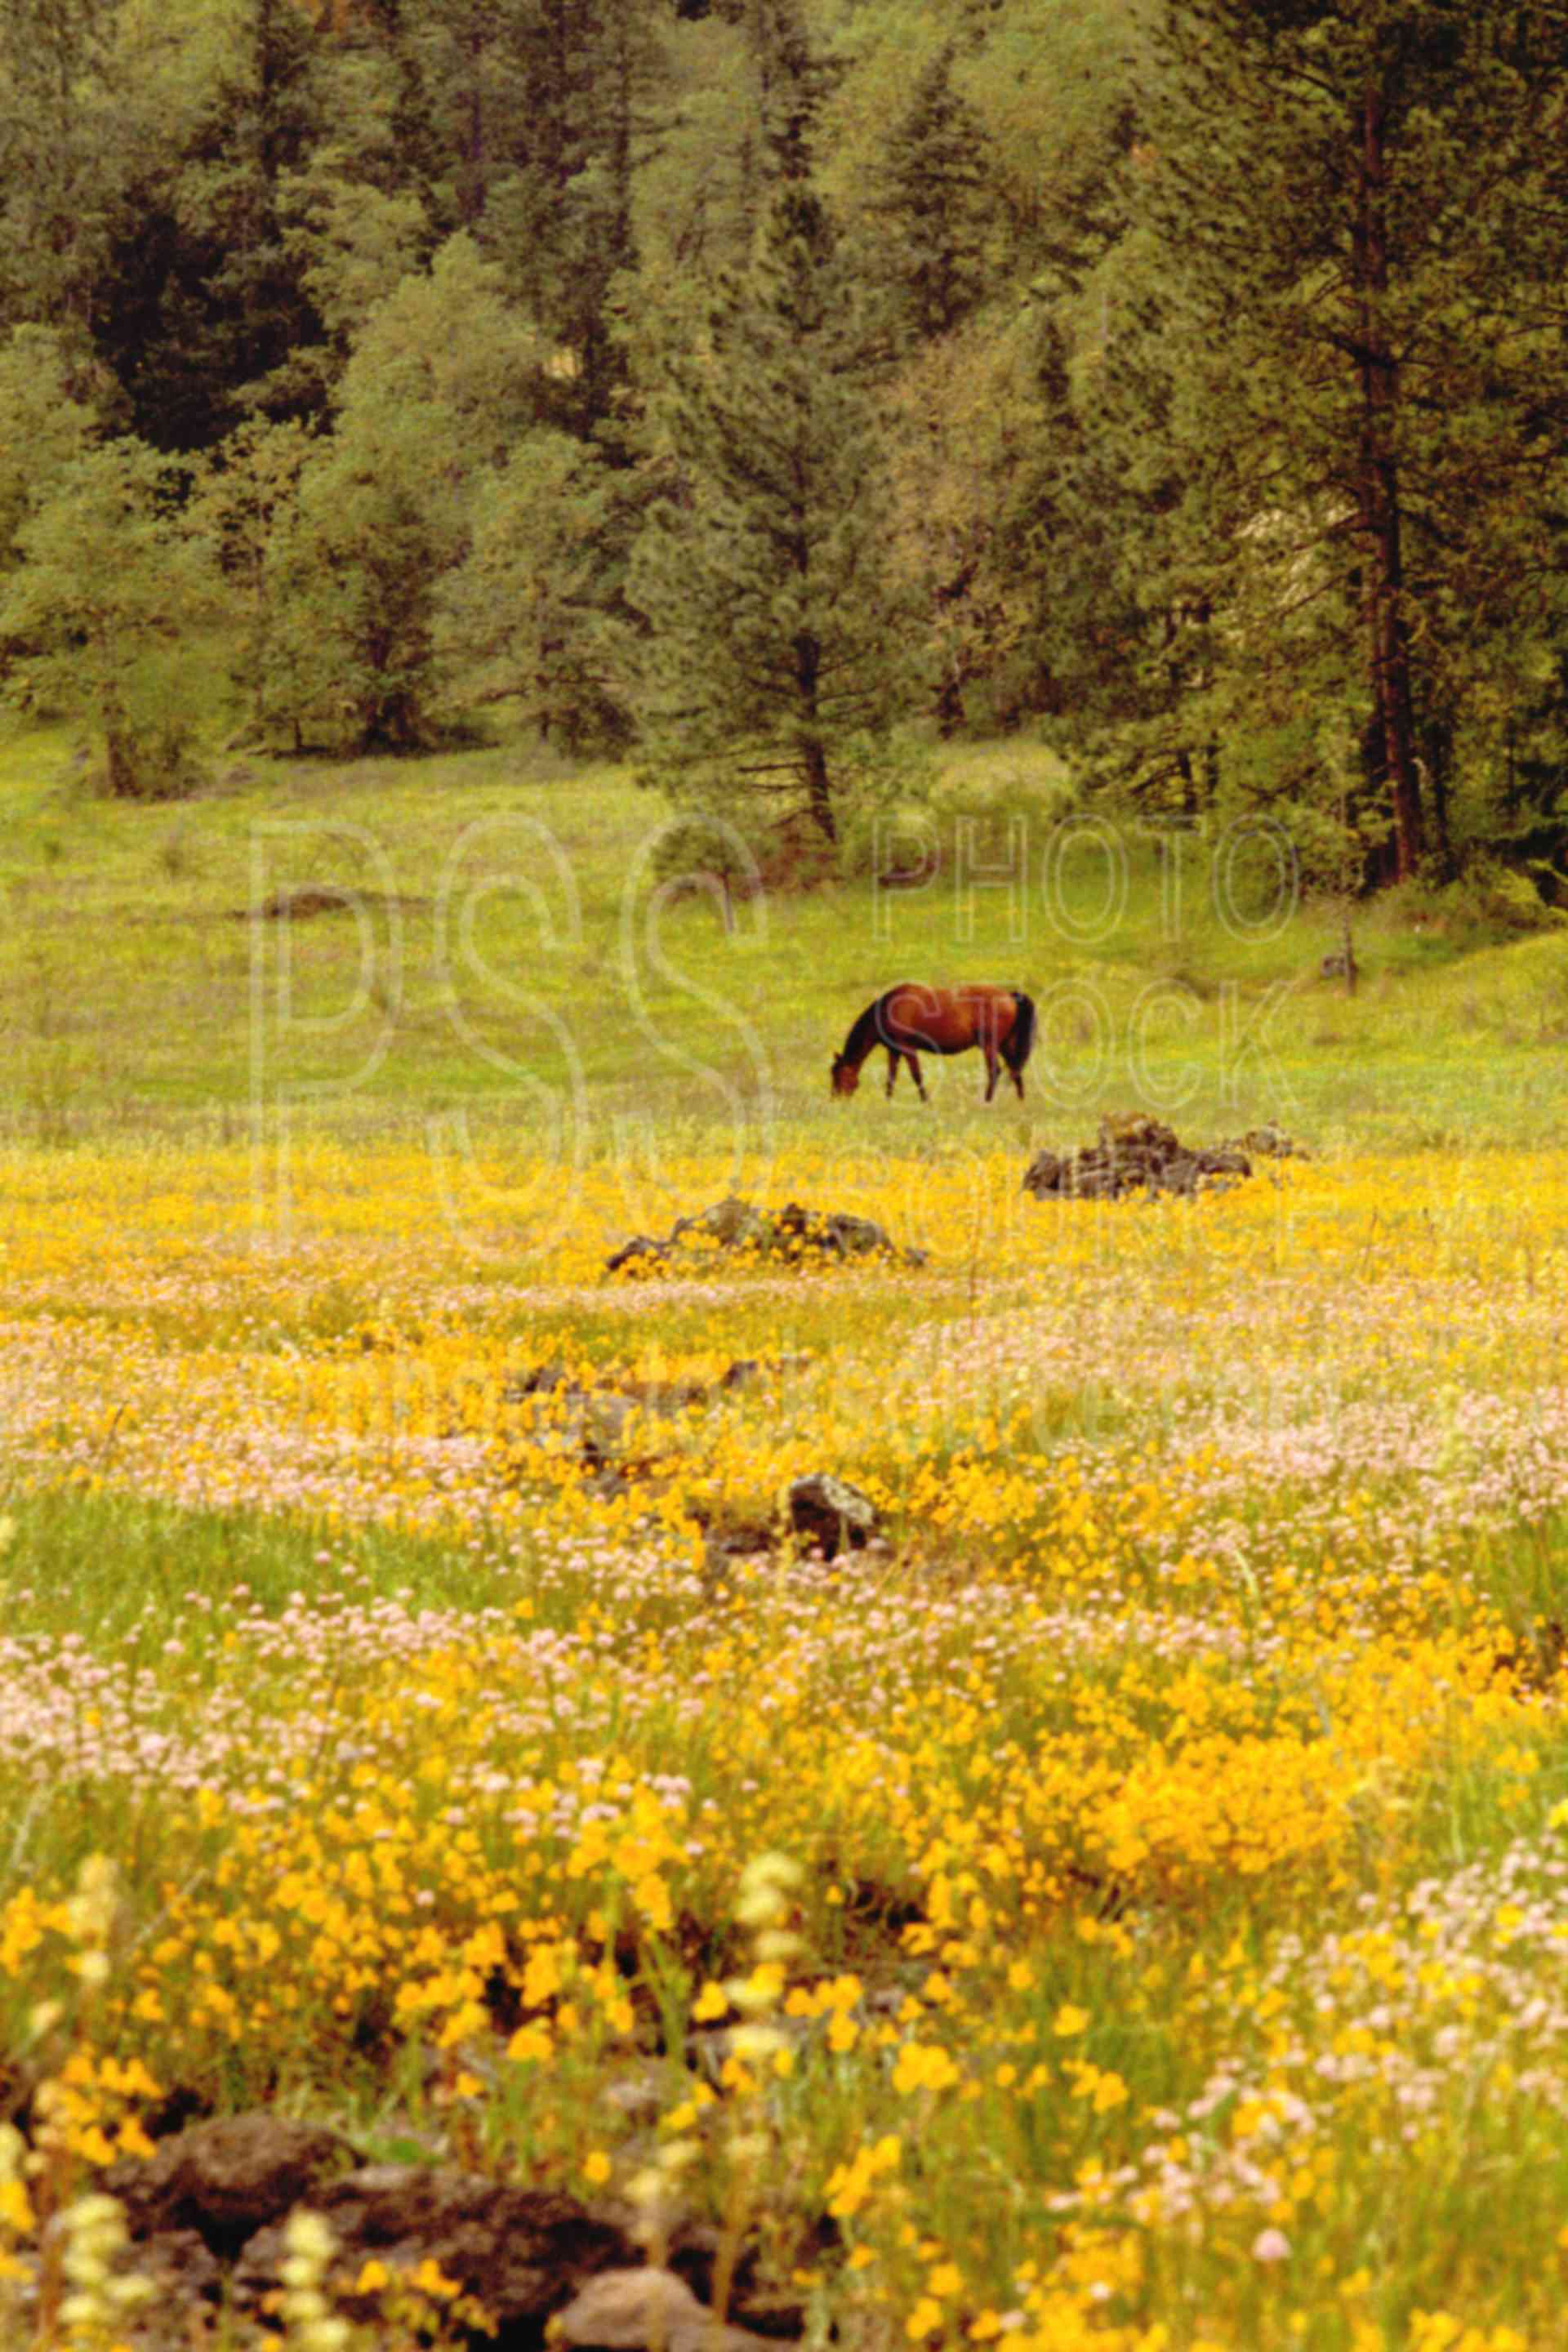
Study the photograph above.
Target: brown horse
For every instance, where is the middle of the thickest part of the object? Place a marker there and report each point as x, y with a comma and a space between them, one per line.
909, 1020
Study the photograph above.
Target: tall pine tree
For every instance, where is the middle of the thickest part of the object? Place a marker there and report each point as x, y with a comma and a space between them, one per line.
1355, 214
772, 630
936, 202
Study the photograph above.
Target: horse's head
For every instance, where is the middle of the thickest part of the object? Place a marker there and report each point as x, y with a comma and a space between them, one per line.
846, 1076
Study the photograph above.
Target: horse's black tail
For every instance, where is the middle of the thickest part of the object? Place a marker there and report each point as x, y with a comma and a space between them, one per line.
1021, 1038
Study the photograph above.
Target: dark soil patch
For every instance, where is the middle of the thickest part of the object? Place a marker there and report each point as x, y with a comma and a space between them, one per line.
302, 902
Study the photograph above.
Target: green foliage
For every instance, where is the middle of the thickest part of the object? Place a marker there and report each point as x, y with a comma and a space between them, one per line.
355, 243
774, 622
936, 204
1183, 378
63, 156
48, 416
1315, 430
244, 495
208, 303
108, 578
436, 390
523, 616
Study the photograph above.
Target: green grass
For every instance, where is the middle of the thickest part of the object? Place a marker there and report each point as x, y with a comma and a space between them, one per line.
511, 962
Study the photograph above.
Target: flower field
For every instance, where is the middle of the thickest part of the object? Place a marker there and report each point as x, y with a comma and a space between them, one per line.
1126, 1907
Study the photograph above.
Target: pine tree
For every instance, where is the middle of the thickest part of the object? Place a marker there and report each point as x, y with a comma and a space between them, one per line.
1354, 304
62, 161
774, 632
936, 201
533, 119
202, 300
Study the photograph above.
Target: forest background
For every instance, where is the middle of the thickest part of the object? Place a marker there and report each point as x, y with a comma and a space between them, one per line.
764, 388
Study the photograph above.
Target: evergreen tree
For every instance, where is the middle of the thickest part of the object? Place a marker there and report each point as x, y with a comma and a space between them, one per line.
971, 420
470, 80
775, 633
936, 201
533, 120
62, 156
1355, 216
202, 297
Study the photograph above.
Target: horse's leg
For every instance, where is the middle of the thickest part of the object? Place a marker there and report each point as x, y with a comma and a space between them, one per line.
990, 1070
892, 1069
915, 1074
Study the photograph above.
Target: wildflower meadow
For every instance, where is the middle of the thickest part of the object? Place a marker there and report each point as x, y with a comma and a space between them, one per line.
1124, 1906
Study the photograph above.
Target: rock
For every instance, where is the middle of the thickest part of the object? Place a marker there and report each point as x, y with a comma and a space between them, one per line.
1044, 1173
835, 1234
793, 1233
1270, 1143
641, 1250
1133, 1155
208, 2211
831, 1514
592, 1422
752, 1371
599, 1422
730, 1223
226, 2178
740, 1539
625, 2311
1227, 1160
520, 2254
189, 2276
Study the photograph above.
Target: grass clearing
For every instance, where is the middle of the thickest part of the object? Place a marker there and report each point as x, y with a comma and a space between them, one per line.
505, 955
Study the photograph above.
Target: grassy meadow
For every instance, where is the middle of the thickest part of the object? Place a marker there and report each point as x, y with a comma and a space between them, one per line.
1126, 1907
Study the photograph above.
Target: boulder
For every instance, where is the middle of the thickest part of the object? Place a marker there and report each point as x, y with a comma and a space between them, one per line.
226, 2178
520, 2254
625, 2311
830, 1513
1270, 1143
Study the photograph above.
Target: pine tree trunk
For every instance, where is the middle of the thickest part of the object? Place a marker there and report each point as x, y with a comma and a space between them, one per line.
1440, 749
120, 766
813, 752
818, 791
473, 192
1378, 498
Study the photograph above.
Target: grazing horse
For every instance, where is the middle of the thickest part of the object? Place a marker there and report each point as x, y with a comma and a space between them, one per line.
909, 1020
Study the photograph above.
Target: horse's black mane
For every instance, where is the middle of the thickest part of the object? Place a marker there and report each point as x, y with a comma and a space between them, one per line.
867, 1031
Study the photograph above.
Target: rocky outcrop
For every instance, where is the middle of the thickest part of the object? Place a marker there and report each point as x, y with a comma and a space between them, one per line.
1142, 1155
790, 1235
208, 2211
